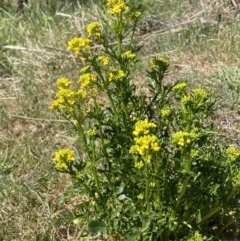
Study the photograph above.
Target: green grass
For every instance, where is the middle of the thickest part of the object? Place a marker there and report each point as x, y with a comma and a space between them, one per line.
201, 40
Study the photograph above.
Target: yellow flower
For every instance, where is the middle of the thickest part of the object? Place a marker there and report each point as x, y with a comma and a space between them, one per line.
183, 138
185, 99
80, 95
116, 75
104, 60
144, 145
232, 153
87, 79
139, 165
134, 16
140, 196
143, 127
94, 29
179, 87
63, 158
128, 55
194, 153
79, 44
91, 133
63, 83
148, 158
165, 112
64, 100
159, 62
117, 7
200, 93
197, 237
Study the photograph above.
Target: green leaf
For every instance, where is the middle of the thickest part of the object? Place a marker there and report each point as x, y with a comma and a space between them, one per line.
96, 226
199, 216
122, 197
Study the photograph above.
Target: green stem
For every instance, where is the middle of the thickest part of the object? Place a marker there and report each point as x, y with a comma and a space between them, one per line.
211, 213
181, 194
119, 35
185, 183
101, 134
96, 178
231, 194
80, 129
147, 190
226, 225
94, 168
133, 33
125, 110
158, 198
105, 86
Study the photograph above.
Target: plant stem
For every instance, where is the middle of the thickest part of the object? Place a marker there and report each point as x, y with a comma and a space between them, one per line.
111, 103
119, 34
158, 198
211, 213
101, 133
226, 225
96, 178
125, 110
147, 189
231, 194
185, 183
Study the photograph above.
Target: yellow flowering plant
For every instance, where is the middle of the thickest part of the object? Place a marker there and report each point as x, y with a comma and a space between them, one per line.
151, 167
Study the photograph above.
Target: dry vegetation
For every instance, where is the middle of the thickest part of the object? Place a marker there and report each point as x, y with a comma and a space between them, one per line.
201, 40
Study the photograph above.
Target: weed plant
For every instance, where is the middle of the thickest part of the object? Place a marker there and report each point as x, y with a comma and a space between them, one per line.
150, 167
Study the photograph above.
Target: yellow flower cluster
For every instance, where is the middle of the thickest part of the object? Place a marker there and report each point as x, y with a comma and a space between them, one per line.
165, 112
79, 44
91, 132
185, 99
116, 75
145, 143
104, 60
159, 62
63, 83
194, 153
183, 138
87, 79
63, 158
117, 7
232, 153
128, 55
143, 127
66, 98
135, 15
200, 93
197, 237
179, 87
139, 165
94, 29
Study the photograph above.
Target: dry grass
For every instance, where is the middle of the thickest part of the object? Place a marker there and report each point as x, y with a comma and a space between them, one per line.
199, 38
